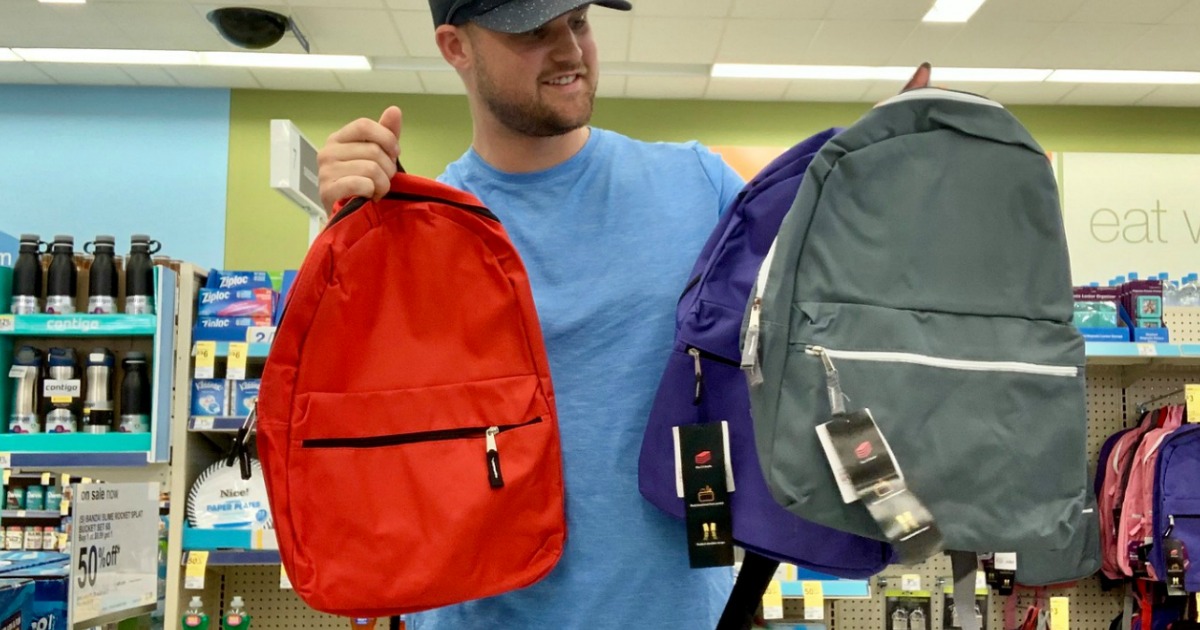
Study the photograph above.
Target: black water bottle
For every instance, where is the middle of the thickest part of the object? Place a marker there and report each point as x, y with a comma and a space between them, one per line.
139, 275
102, 277
27, 276
135, 395
60, 285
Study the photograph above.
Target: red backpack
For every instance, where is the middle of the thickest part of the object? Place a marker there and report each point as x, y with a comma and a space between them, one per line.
406, 419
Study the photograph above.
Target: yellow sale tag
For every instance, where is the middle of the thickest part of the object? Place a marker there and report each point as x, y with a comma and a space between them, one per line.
1193, 403
66, 479
206, 359
236, 369
284, 581
64, 508
1060, 613
814, 600
193, 576
773, 601
45, 479
7, 475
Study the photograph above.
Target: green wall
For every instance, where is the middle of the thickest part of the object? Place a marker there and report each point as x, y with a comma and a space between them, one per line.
265, 231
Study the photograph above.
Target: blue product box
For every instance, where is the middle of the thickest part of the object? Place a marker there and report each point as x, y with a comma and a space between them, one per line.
237, 302
289, 277
210, 397
16, 604
48, 608
226, 328
245, 396
224, 279
1151, 335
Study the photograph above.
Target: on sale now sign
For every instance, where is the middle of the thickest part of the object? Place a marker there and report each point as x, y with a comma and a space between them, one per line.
114, 551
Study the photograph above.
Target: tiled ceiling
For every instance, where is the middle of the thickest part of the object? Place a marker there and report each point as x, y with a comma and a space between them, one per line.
684, 34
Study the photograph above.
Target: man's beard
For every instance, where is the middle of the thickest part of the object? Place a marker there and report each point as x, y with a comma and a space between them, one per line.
529, 116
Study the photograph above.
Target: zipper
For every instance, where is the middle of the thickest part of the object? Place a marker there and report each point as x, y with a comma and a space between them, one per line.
688, 287
1015, 367
491, 451
697, 354
750, 346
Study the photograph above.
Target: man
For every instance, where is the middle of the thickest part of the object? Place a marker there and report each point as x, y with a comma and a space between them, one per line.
608, 228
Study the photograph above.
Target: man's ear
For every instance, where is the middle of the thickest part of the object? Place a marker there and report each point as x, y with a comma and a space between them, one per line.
455, 45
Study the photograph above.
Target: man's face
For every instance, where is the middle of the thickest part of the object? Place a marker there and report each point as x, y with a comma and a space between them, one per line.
541, 83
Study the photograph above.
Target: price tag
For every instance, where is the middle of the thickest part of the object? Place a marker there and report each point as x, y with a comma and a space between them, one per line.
7, 475
981, 581
260, 334
263, 539
17, 371
1193, 403
7, 323
20, 513
66, 480
206, 359
236, 369
1147, 350
772, 601
5, 460
1006, 561
814, 600
1060, 613
113, 547
910, 582
203, 423
64, 508
285, 582
45, 479
193, 575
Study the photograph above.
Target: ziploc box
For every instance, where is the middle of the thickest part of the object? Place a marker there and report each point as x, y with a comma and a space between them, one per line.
226, 328
237, 302
223, 279
48, 608
16, 604
245, 397
210, 397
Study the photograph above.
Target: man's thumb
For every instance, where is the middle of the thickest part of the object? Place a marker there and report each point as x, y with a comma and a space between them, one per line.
391, 119
920, 78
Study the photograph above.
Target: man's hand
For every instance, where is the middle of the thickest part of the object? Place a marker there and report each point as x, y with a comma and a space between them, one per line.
920, 78
359, 159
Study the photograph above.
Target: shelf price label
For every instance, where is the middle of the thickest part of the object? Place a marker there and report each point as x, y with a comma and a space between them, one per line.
193, 573
1060, 613
7, 323
236, 368
113, 546
206, 359
285, 583
5, 460
260, 334
1192, 393
1147, 350
772, 602
814, 600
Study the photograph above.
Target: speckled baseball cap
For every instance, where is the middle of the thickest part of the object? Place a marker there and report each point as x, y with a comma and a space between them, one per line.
510, 16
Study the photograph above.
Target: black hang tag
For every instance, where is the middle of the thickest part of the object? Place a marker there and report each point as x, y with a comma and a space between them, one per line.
706, 497
1176, 556
1006, 581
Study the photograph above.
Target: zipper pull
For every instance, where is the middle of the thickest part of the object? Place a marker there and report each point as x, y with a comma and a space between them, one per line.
695, 352
833, 383
493, 459
750, 347
1170, 526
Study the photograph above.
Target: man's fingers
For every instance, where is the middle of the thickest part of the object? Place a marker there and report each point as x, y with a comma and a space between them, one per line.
920, 78
358, 178
334, 157
367, 130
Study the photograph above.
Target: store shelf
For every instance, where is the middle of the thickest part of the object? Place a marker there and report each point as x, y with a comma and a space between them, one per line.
255, 350
8, 515
79, 325
1128, 353
233, 546
215, 424
831, 589
50, 450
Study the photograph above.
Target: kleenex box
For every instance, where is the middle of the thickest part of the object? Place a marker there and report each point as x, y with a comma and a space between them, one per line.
245, 396
210, 397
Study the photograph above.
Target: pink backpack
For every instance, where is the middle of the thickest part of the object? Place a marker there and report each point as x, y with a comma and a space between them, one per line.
1111, 494
1137, 511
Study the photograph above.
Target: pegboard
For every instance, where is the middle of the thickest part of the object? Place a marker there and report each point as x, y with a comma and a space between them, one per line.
272, 608
1183, 322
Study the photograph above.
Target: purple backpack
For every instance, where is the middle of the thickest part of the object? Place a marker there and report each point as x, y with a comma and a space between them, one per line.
1177, 501
703, 382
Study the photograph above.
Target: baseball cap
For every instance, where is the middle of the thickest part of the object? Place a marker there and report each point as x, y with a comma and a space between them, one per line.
510, 16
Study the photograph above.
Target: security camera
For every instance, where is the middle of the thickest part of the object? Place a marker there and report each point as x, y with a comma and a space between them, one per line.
254, 28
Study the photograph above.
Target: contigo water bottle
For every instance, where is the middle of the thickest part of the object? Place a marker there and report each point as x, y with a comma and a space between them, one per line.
102, 277
98, 404
60, 283
139, 275
27, 276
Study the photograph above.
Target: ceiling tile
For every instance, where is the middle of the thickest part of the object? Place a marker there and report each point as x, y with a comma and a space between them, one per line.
689, 8
86, 74
1127, 11
1162, 47
34, 25
925, 43
1083, 45
442, 83
875, 10
383, 81
1173, 96
214, 77
827, 91
285, 79
994, 44
1027, 10
412, 5
1028, 93
344, 4
350, 31
162, 25
675, 40
1119, 95
611, 86
666, 87
781, 9
150, 75
612, 36
745, 89
22, 73
416, 29
1187, 14
766, 41
843, 42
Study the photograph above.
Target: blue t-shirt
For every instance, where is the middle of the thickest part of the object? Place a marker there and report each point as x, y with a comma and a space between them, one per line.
608, 238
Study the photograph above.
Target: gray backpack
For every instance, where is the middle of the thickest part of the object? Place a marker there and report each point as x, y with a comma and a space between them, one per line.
915, 374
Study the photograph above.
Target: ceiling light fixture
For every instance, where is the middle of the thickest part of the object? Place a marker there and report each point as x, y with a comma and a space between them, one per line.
280, 60
188, 58
63, 1
875, 73
952, 10
110, 56
8, 55
1158, 77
